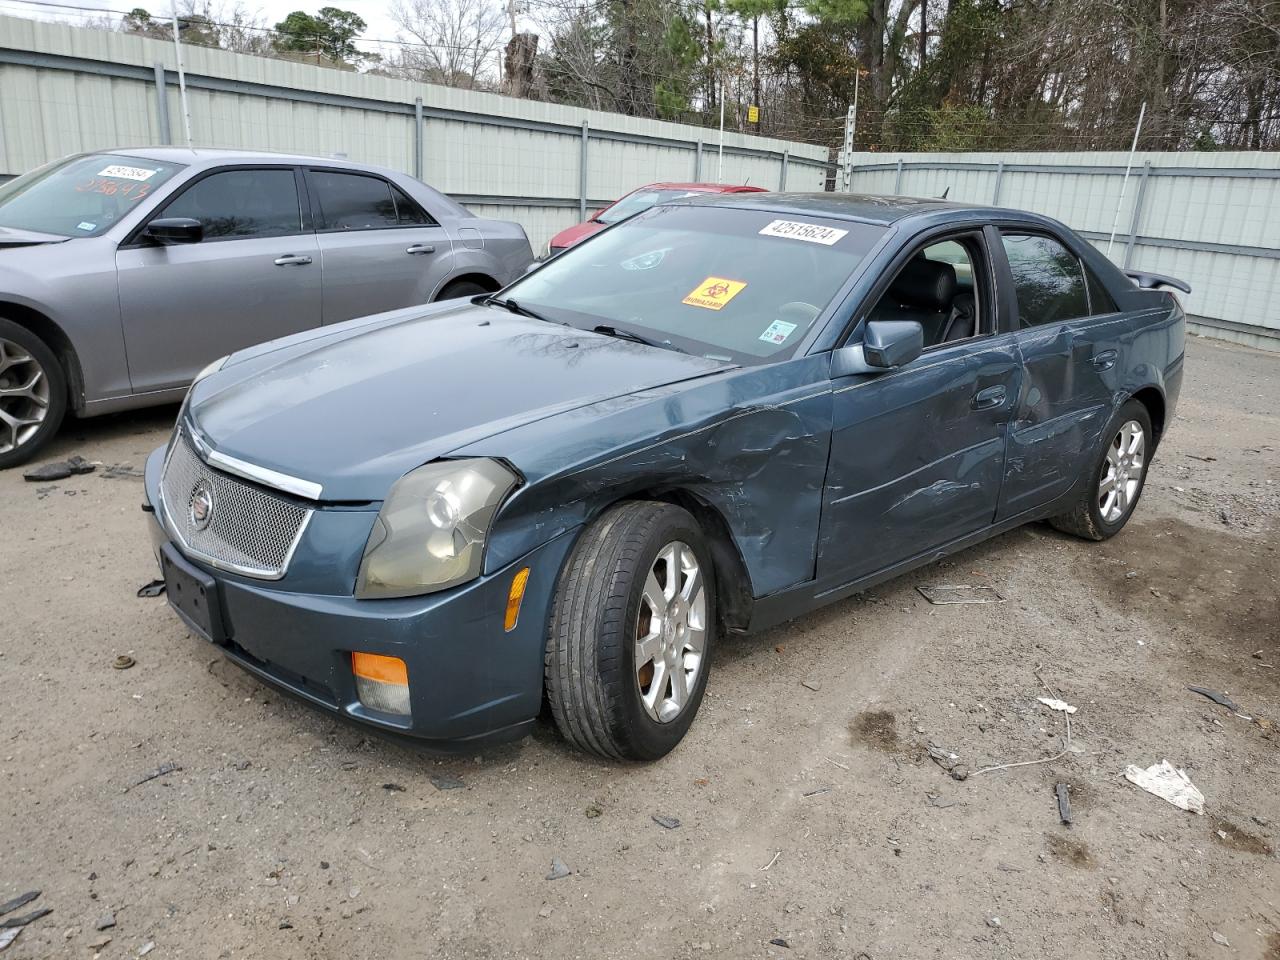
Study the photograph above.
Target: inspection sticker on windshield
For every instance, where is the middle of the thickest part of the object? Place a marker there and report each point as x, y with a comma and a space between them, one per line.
119, 172
714, 292
86, 225
777, 332
809, 232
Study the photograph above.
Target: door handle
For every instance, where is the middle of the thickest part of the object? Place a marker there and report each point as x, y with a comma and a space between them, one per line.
420, 248
1105, 360
289, 260
990, 397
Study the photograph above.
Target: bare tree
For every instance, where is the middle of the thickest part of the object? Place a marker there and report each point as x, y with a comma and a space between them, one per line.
454, 42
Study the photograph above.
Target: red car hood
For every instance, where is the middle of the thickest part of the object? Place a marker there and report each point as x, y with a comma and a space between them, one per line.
571, 235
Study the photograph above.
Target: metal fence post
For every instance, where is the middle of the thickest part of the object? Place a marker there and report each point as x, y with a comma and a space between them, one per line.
162, 105
897, 181
697, 164
1137, 213
995, 191
782, 177
417, 138
582, 173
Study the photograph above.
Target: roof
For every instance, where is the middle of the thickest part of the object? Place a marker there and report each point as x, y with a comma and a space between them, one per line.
843, 206
201, 156
704, 187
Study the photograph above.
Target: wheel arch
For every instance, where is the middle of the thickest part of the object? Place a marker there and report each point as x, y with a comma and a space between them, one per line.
1153, 399
474, 276
56, 338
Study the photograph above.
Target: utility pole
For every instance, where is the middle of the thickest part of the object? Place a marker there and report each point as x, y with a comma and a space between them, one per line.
182, 76
720, 162
846, 154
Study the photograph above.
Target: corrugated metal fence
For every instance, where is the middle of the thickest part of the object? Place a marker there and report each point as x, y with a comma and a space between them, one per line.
1212, 219
65, 89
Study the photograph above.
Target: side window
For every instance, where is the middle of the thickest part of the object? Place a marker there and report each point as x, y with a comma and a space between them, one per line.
942, 288
350, 201
240, 204
1048, 279
409, 213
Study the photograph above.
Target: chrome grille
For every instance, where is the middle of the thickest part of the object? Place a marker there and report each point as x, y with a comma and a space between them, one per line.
248, 530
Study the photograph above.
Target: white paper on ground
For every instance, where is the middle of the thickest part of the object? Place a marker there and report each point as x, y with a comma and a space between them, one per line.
1053, 704
1169, 783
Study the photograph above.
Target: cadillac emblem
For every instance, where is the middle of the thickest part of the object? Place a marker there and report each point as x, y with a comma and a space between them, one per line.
201, 505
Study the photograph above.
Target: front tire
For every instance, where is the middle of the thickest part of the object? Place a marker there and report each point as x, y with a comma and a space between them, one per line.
1119, 474
631, 633
33, 394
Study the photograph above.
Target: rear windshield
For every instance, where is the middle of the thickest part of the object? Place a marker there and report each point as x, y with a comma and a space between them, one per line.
80, 196
633, 203
735, 284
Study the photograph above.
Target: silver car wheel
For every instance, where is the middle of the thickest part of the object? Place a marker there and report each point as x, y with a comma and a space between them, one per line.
24, 396
671, 632
1122, 472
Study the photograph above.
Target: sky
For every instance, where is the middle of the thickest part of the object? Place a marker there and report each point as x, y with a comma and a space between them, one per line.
374, 12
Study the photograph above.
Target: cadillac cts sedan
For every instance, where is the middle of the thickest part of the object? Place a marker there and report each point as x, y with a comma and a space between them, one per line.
122, 274
711, 418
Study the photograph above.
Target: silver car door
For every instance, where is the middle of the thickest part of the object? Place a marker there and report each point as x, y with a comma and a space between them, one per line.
379, 249
253, 277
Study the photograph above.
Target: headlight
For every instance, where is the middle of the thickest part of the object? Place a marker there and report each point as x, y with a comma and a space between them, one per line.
431, 530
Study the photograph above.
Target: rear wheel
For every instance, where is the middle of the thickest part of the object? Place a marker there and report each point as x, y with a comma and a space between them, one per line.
631, 633
33, 394
1119, 474
461, 288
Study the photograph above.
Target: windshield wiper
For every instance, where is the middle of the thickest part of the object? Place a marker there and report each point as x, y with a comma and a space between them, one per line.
634, 337
510, 304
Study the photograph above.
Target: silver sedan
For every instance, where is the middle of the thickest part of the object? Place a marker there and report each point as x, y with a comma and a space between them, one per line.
123, 273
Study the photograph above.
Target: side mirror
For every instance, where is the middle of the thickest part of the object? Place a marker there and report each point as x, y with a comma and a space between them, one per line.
170, 230
886, 344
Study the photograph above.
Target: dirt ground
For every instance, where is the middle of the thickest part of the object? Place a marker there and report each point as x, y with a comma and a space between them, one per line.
812, 822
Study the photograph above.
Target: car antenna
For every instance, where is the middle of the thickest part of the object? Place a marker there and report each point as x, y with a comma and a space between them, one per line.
945, 192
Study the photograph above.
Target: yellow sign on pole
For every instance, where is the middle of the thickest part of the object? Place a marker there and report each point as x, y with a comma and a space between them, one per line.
753, 114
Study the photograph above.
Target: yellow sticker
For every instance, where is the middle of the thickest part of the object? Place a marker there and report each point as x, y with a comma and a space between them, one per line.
714, 292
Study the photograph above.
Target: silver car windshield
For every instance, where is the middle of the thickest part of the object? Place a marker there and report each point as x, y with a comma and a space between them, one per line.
80, 196
738, 284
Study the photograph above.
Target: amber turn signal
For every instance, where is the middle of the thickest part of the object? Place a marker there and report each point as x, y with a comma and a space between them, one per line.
515, 597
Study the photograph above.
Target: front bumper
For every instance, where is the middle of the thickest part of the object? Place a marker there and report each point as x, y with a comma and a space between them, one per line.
470, 681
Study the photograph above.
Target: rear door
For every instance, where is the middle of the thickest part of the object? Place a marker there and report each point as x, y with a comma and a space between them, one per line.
254, 277
1062, 328
379, 249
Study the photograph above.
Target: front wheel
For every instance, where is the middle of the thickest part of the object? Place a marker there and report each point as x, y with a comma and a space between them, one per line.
631, 632
33, 394
1118, 476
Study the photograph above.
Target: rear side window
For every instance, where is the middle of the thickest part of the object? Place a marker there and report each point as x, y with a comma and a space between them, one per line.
350, 201
241, 204
1048, 279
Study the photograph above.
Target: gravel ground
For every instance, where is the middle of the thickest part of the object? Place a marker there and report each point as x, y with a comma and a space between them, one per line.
812, 822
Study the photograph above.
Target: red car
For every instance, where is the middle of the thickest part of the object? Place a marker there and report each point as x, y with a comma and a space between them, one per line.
639, 199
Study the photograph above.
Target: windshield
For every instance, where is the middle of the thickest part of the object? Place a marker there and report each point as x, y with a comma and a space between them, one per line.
642, 199
80, 196
736, 284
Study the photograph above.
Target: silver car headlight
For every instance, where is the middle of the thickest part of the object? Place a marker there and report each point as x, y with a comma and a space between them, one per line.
431, 531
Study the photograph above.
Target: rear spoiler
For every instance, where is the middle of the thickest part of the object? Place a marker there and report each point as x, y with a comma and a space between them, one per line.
1149, 281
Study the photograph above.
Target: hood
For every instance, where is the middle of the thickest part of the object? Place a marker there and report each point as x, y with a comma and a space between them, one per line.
579, 231
357, 412
12, 237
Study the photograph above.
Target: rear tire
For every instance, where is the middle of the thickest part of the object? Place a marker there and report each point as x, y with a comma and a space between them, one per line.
631, 632
33, 394
1119, 474
461, 288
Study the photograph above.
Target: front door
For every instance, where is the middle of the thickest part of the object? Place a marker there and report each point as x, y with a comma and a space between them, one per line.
1065, 400
379, 249
254, 277
917, 453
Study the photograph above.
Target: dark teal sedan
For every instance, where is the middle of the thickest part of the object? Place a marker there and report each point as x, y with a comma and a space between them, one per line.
706, 420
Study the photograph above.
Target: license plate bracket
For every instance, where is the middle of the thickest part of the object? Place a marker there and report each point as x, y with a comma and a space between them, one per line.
193, 595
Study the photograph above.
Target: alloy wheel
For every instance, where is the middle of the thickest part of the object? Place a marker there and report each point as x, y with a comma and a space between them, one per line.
671, 632
1122, 472
24, 395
